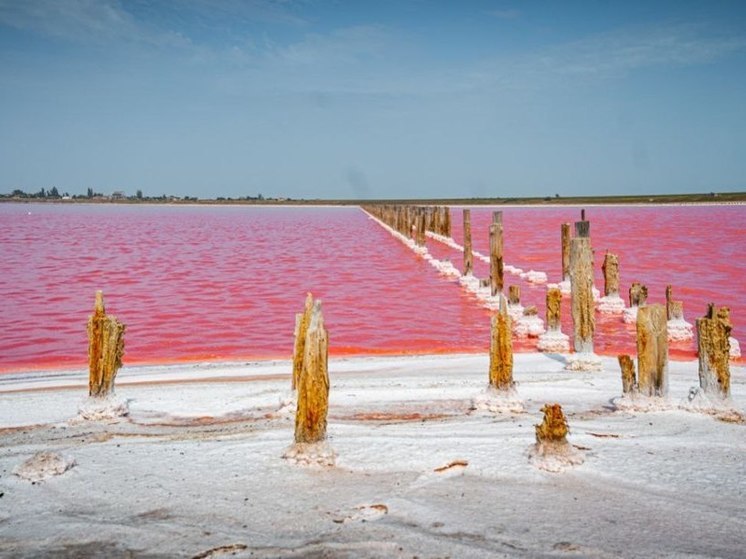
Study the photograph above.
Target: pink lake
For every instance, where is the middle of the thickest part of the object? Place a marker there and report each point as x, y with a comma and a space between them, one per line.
224, 283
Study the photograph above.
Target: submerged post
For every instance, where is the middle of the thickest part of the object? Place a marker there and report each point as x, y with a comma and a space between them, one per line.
652, 351
638, 294
105, 349
514, 295
468, 250
501, 350
313, 385
553, 340
713, 346
554, 306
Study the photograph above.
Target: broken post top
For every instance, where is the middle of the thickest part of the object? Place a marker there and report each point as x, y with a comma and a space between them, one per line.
583, 229
497, 217
98, 306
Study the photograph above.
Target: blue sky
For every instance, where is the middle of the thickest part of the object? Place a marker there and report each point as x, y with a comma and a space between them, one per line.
353, 99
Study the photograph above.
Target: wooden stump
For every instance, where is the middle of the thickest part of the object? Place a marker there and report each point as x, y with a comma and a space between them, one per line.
302, 320
313, 385
514, 295
652, 351
105, 349
629, 382
610, 268
553, 429
581, 277
554, 305
501, 350
468, 249
713, 346
565, 232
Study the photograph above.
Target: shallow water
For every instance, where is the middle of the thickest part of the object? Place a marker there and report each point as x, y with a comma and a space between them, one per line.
224, 283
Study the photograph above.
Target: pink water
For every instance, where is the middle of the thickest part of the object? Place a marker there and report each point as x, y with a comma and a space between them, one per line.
224, 283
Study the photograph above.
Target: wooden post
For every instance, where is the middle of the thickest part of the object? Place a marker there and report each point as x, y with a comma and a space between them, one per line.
447, 222
313, 385
713, 346
554, 304
302, 320
652, 350
501, 350
468, 250
105, 349
629, 382
553, 429
610, 268
565, 251
638, 294
496, 258
514, 295
581, 277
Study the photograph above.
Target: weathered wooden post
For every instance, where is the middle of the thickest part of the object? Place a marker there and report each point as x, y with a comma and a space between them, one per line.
638, 294
468, 250
553, 339
713, 346
105, 349
496, 254
553, 428
566, 238
652, 351
313, 384
629, 380
678, 328
302, 320
611, 302
583, 318
514, 295
501, 350
610, 268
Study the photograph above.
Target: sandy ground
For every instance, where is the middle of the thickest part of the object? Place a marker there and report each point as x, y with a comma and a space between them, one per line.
423, 467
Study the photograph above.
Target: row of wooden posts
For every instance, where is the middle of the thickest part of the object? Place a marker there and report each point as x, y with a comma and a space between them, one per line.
713, 329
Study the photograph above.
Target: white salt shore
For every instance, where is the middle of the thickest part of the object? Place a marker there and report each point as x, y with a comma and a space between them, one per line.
427, 462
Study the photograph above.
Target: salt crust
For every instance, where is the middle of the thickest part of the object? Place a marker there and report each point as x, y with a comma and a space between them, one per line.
735, 348
103, 409
553, 341
311, 455
630, 315
495, 401
515, 311
722, 408
584, 362
528, 326
610, 304
679, 330
43, 465
555, 456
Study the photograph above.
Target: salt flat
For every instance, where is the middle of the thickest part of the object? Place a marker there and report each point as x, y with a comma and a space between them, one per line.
422, 469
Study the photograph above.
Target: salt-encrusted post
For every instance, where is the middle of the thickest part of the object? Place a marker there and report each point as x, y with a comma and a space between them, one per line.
496, 254
629, 382
610, 268
313, 385
713, 346
468, 250
553, 340
501, 350
302, 320
652, 351
105, 349
553, 429
581, 277
566, 251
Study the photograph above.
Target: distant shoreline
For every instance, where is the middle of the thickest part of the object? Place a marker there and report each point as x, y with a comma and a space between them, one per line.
723, 198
